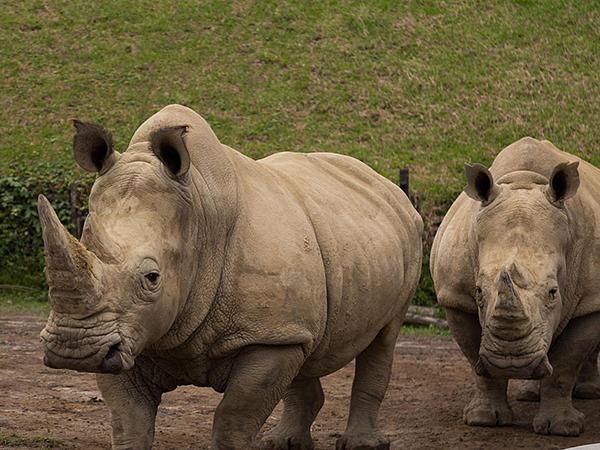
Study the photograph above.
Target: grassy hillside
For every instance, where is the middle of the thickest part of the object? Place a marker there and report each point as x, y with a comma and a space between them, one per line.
423, 84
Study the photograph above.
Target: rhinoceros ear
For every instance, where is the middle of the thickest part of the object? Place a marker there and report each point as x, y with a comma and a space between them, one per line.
93, 147
564, 181
168, 144
480, 184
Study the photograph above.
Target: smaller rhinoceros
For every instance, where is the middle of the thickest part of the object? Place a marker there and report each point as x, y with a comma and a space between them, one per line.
198, 265
515, 265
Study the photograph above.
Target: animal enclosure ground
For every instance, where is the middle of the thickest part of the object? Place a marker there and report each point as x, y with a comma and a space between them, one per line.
46, 408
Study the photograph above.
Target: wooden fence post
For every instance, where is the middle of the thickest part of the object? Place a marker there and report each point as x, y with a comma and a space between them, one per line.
404, 181
76, 217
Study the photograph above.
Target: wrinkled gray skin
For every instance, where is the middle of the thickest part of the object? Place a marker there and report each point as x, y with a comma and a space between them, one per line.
515, 264
198, 265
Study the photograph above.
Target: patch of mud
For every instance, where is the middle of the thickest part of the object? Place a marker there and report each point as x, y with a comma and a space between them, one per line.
430, 385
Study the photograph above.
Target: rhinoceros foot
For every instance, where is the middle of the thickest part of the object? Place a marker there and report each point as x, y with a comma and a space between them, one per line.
483, 412
588, 390
362, 441
560, 421
285, 441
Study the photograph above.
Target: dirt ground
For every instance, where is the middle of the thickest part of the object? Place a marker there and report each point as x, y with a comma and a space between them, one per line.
422, 409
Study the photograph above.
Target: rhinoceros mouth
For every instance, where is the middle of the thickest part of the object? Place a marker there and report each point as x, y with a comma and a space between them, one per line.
530, 366
108, 358
85, 348
114, 360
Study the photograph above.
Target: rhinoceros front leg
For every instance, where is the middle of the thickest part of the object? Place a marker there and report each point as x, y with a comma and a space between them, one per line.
567, 356
259, 377
489, 406
302, 402
133, 401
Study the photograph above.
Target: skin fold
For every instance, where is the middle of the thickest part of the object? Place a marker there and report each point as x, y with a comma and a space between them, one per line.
514, 264
198, 265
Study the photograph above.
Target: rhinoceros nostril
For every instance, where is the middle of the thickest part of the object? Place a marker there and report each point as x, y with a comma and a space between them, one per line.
480, 368
112, 362
112, 350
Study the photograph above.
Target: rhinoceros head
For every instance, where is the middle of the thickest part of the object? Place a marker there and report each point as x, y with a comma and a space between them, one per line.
522, 236
118, 290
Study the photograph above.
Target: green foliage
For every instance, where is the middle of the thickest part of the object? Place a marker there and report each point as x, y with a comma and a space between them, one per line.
29, 301
425, 294
21, 245
423, 330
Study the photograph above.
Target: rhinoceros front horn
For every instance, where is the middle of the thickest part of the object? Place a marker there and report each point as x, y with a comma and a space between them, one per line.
70, 267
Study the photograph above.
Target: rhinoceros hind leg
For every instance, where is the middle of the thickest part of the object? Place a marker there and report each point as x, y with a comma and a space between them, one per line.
587, 390
489, 407
588, 380
586, 387
302, 402
529, 391
373, 367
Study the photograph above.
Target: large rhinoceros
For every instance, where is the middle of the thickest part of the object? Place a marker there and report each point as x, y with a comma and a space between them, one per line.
515, 265
198, 265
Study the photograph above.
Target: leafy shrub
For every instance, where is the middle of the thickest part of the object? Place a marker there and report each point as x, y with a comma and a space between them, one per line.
21, 245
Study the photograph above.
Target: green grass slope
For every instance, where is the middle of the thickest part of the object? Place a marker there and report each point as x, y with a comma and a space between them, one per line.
423, 84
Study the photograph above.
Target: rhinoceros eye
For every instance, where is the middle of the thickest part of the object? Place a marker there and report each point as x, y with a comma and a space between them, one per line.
152, 277
151, 281
553, 291
149, 275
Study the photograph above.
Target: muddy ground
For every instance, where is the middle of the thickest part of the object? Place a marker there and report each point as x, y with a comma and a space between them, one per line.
422, 410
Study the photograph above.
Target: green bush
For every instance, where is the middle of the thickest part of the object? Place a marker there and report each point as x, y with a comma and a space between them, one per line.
425, 295
21, 245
